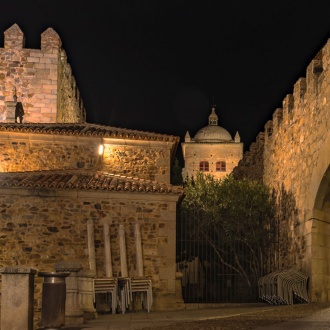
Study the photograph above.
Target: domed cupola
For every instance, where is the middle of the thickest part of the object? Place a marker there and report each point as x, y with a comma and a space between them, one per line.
213, 132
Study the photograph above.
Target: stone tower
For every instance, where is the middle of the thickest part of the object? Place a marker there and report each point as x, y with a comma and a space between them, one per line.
211, 151
41, 79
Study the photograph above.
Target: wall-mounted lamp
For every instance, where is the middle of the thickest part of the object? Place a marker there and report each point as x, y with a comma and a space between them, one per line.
101, 149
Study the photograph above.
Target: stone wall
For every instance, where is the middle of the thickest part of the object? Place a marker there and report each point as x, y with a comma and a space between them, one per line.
194, 153
70, 108
40, 78
41, 227
143, 160
252, 164
37, 152
292, 156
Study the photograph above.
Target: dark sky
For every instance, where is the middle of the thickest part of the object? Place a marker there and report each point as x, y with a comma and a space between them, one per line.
157, 65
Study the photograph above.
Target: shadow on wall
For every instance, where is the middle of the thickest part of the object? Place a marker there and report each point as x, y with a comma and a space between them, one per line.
292, 243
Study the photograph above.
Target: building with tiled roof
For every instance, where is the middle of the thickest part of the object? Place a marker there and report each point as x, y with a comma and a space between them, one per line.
59, 175
84, 180
126, 152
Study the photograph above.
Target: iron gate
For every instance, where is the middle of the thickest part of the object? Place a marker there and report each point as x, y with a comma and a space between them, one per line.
210, 264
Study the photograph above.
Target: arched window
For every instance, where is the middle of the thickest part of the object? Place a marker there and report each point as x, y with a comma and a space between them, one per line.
204, 166
220, 167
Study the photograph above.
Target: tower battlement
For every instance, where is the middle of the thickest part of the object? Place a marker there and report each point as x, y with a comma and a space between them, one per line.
41, 79
302, 109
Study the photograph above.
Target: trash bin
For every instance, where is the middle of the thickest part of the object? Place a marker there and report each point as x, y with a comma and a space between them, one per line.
53, 300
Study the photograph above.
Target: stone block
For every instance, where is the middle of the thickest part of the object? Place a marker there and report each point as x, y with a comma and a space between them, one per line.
33, 59
17, 295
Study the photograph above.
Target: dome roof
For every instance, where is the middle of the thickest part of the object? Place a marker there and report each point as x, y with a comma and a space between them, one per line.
213, 132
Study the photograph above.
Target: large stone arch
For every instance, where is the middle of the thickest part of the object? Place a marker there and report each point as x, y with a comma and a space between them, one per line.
318, 174
318, 227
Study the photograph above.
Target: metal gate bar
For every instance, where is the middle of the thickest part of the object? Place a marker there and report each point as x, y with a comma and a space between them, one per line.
206, 279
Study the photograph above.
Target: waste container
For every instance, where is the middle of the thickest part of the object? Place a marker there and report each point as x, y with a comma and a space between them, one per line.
53, 300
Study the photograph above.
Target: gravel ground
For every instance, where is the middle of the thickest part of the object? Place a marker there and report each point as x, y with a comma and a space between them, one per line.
252, 320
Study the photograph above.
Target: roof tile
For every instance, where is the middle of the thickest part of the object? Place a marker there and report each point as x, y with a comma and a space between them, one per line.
86, 129
84, 180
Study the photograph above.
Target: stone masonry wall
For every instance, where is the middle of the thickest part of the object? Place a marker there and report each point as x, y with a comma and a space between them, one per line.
141, 160
194, 153
285, 158
37, 152
41, 227
40, 78
70, 108
252, 164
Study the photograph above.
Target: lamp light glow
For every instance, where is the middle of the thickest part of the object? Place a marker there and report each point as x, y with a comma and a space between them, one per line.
101, 149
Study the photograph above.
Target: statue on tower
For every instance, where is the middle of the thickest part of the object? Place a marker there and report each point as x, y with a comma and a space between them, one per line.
19, 111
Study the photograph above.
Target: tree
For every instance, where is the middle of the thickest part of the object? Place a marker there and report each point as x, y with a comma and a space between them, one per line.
236, 220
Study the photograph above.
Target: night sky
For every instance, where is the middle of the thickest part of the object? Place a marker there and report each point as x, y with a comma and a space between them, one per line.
157, 65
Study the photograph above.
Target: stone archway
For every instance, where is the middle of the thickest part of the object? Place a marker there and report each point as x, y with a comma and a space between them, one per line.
317, 227
322, 201
320, 242
320, 249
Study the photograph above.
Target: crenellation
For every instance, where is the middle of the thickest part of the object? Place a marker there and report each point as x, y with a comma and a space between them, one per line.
287, 105
14, 38
299, 90
326, 56
313, 72
317, 62
277, 118
30, 73
247, 157
251, 166
268, 130
50, 41
253, 147
260, 138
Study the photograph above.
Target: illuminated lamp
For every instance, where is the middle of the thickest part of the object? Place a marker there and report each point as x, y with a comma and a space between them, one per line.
101, 149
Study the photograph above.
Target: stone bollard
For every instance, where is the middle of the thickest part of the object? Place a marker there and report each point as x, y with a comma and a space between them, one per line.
17, 293
73, 313
178, 291
86, 293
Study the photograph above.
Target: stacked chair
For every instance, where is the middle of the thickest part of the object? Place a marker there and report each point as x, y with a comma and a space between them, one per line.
107, 287
124, 290
142, 285
284, 287
124, 293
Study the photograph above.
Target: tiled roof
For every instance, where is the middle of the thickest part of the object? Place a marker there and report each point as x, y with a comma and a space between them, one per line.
86, 129
84, 180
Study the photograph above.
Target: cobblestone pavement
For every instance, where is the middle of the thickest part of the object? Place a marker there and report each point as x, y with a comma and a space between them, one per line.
265, 319
230, 317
